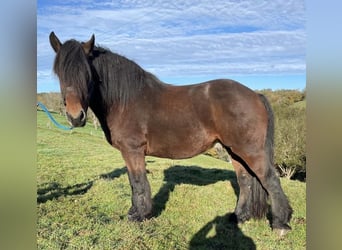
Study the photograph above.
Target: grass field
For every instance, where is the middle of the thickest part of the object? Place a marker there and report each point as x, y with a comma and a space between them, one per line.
83, 196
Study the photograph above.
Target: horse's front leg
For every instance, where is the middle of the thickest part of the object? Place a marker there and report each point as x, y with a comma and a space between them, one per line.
141, 191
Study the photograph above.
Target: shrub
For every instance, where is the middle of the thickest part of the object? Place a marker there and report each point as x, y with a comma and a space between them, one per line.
284, 96
290, 138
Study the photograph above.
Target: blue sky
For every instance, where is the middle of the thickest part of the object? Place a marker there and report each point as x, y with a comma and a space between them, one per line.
262, 44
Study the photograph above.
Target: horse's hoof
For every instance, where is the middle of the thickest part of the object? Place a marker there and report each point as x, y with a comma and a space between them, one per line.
240, 218
135, 217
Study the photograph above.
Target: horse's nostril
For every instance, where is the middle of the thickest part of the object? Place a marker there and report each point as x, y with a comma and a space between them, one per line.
82, 115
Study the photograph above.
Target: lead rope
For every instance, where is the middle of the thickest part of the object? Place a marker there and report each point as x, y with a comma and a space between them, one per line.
51, 117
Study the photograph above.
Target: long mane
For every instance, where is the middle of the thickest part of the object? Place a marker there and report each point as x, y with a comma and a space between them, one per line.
120, 79
71, 66
117, 78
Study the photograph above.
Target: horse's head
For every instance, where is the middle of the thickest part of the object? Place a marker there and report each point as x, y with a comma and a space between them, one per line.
74, 72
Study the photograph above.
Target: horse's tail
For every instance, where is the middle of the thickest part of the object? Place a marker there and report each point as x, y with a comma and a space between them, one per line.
269, 144
258, 199
281, 209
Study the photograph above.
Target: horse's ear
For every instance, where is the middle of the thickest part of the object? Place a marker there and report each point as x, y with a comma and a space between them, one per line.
54, 41
88, 46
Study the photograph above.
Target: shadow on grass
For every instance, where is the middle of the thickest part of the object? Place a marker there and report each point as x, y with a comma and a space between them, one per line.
194, 175
227, 235
54, 190
114, 174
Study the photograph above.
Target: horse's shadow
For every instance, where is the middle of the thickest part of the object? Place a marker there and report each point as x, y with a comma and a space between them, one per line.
227, 233
173, 176
227, 236
193, 175
54, 190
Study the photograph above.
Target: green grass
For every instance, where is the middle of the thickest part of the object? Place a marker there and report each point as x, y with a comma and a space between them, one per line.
83, 196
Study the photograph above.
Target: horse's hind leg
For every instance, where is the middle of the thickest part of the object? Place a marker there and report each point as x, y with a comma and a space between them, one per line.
252, 200
281, 209
242, 210
266, 174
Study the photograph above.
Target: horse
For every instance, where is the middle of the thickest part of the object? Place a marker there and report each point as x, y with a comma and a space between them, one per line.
142, 116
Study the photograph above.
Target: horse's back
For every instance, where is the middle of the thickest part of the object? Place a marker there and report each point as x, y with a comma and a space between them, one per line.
187, 120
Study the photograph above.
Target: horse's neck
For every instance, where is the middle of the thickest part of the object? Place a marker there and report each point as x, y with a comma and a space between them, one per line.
100, 112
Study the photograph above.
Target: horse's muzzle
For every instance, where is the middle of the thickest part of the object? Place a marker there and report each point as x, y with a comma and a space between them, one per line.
78, 121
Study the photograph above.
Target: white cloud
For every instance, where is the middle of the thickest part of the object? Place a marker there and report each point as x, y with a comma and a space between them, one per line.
189, 38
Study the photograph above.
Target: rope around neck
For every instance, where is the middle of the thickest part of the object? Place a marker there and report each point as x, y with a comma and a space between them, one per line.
51, 117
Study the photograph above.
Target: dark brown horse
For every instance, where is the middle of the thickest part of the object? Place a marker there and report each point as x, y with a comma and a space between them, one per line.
140, 115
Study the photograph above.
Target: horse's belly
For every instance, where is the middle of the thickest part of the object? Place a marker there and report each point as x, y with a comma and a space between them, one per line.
179, 147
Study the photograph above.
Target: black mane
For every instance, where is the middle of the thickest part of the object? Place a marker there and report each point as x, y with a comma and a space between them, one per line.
117, 78
71, 66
